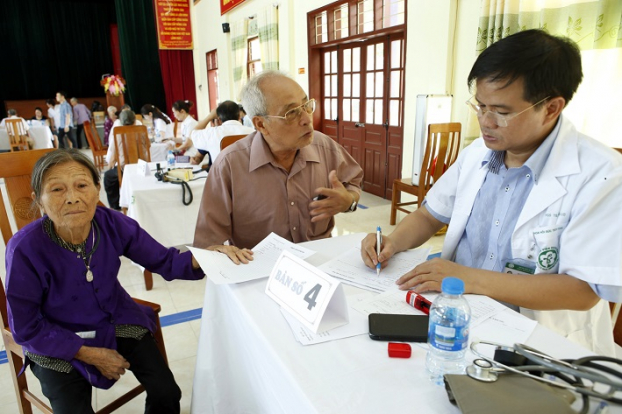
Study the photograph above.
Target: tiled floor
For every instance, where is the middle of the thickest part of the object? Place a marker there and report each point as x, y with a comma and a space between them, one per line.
178, 296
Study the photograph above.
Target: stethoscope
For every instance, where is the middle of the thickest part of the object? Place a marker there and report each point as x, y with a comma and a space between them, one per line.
583, 375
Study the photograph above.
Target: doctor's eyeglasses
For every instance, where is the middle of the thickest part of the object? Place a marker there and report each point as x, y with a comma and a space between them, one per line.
294, 113
500, 120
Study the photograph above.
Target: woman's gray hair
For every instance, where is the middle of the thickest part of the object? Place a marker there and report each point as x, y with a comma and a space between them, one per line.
111, 108
253, 98
54, 158
127, 117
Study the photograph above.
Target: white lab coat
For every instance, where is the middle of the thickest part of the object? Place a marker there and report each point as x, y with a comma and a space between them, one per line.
573, 213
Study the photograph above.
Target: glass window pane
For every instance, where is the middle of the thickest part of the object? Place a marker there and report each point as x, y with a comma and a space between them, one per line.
327, 62
394, 113
341, 21
396, 54
356, 59
379, 84
334, 83
326, 85
333, 108
333, 61
327, 109
395, 84
365, 16
369, 111
347, 60
393, 13
369, 85
346, 110
347, 85
379, 56
356, 116
356, 85
370, 57
378, 111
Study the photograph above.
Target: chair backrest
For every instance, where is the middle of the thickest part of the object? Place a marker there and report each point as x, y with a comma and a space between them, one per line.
18, 136
619, 150
139, 117
99, 117
175, 123
230, 139
90, 131
441, 151
133, 143
16, 168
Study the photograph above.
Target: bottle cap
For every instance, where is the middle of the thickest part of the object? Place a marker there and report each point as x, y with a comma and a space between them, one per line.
399, 350
452, 286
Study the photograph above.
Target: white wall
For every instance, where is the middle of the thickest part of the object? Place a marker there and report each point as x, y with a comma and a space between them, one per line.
440, 49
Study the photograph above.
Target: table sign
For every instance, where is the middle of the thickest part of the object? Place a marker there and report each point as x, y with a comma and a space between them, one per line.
143, 168
314, 298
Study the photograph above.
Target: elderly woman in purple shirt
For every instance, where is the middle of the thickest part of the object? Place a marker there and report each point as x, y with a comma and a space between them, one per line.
77, 325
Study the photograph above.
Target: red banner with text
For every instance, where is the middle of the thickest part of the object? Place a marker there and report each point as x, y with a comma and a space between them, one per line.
226, 5
173, 23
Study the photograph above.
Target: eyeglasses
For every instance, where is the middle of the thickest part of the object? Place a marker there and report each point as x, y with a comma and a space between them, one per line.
294, 113
501, 120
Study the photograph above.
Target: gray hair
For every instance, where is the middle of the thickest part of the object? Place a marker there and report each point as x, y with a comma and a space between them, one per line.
253, 98
12, 112
111, 108
127, 117
74, 99
54, 158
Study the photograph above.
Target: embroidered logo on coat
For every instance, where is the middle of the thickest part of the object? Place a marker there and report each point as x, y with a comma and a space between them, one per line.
548, 258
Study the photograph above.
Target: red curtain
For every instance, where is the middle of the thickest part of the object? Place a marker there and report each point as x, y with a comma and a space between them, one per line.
177, 68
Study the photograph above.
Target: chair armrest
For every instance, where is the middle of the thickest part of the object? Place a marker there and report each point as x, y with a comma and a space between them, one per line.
156, 307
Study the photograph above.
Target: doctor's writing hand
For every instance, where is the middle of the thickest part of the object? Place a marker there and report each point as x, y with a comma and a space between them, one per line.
336, 200
108, 361
368, 251
429, 275
236, 254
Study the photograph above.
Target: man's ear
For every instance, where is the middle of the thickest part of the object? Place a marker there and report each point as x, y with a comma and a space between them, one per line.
260, 124
554, 108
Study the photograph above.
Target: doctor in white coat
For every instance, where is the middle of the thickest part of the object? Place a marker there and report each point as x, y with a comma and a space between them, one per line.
533, 207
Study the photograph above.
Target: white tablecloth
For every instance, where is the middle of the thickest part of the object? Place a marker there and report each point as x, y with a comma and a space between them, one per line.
159, 150
158, 208
42, 137
249, 362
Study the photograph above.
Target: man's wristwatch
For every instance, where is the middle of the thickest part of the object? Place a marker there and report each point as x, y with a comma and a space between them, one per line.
353, 206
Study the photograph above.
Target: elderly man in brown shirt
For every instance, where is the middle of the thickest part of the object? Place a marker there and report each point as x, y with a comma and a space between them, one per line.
270, 180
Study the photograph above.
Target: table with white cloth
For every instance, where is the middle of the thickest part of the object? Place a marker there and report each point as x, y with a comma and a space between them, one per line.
157, 206
248, 360
41, 136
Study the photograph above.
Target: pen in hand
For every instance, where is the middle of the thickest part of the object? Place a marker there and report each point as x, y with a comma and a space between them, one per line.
378, 244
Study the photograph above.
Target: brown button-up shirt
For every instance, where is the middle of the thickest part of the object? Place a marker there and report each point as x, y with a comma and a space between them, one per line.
248, 194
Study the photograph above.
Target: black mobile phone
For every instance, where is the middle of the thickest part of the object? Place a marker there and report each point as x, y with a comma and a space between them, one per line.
396, 327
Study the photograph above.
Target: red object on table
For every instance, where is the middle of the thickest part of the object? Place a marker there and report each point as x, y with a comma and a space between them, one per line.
399, 350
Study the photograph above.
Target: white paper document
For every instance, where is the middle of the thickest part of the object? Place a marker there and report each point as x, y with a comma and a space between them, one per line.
506, 328
221, 270
394, 301
349, 268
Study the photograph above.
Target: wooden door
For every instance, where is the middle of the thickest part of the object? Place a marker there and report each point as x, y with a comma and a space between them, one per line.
362, 105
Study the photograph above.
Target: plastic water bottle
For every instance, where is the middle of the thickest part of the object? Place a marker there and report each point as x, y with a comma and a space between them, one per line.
448, 331
170, 160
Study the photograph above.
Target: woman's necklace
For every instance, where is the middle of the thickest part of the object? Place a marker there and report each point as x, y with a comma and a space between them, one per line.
89, 273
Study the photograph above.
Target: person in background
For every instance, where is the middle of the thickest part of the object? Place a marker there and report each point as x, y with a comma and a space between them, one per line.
207, 139
187, 123
246, 120
267, 181
117, 121
12, 114
111, 117
111, 177
96, 106
43, 120
159, 120
80, 114
533, 206
65, 122
53, 118
77, 325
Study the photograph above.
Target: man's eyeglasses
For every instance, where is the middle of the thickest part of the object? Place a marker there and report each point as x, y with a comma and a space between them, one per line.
501, 120
294, 113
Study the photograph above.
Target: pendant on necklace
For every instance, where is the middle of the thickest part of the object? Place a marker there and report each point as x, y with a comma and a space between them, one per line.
89, 275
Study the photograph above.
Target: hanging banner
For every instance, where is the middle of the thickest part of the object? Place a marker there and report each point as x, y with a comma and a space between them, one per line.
226, 5
173, 23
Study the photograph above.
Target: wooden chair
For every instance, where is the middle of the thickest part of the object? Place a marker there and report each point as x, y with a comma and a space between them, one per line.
18, 136
97, 148
133, 142
15, 169
99, 117
139, 117
230, 139
441, 151
619, 150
